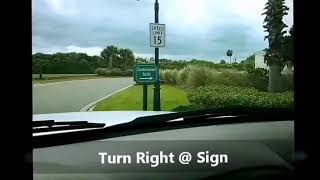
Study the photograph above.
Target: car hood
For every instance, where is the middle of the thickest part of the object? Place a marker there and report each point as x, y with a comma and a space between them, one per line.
110, 118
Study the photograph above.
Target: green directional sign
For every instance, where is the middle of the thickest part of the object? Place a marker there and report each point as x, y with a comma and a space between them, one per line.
146, 73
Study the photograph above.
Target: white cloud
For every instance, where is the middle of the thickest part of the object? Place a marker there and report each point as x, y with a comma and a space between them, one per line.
200, 29
55, 4
89, 50
63, 7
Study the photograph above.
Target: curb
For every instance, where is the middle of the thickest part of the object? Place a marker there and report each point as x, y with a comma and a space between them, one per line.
91, 105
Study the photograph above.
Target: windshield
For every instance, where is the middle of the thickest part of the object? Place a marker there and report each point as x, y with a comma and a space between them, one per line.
176, 56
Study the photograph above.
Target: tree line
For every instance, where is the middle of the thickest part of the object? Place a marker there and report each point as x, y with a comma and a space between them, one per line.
81, 63
113, 57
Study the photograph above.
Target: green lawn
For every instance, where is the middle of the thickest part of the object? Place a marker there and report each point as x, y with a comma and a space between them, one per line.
131, 99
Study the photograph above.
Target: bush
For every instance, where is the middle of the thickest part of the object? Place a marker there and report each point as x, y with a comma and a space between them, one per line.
165, 76
200, 76
161, 73
194, 76
288, 82
232, 79
113, 72
174, 76
183, 75
127, 72
228, 96
116, 72
259, 78
169, 76
99, 71
183, 108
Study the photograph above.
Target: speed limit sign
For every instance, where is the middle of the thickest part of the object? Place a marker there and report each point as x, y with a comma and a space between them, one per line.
157, 35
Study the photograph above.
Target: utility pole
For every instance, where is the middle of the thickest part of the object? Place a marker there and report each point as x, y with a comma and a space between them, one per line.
156, 98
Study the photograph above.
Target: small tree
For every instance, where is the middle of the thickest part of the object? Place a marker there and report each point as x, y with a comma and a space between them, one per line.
39, 65
222, 62
248, 64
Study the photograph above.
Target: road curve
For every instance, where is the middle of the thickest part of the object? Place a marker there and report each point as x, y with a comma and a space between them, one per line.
71, 96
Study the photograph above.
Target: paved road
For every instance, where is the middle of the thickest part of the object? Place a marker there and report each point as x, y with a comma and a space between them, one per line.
71, 96
61, 75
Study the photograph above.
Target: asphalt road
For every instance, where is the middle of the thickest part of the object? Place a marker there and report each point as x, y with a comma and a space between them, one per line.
61, 75
71, 96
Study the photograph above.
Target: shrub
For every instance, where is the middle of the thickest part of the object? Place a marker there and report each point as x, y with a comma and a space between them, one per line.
259, 78
196, 75
116, 72
173, 76
161, 73
169, 76
183, 108
107, 72
113, 72
183, 75
99, 71
231, 79
103, 71
200, 76
228, 96
165, 76
127, 72
288, 82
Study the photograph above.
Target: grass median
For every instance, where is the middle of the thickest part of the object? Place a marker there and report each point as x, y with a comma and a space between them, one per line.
131, 99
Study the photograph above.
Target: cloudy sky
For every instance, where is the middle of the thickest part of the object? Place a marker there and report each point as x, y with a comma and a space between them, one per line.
200, 29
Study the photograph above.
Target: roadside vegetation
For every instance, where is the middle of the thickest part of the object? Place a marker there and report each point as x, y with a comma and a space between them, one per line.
217, 96
131, 99
209, 88
186, 85
119, 61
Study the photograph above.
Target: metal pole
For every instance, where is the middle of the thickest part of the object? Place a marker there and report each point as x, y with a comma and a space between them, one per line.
145, 97
156, 101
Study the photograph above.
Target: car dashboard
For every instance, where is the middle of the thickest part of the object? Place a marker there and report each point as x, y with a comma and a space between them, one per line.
269, 153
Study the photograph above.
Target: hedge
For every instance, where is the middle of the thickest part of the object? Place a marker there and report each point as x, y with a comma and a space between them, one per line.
113, 72
215, 96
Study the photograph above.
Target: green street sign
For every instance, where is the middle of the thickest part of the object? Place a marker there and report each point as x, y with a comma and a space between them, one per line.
145, 73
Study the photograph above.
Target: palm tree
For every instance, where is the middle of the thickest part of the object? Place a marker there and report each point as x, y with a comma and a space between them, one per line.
109, 53
127, 57
274, 11
287, 48
229, 53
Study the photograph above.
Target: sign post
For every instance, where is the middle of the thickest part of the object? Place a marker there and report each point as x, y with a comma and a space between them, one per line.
145, 74
145, 97
157, 39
